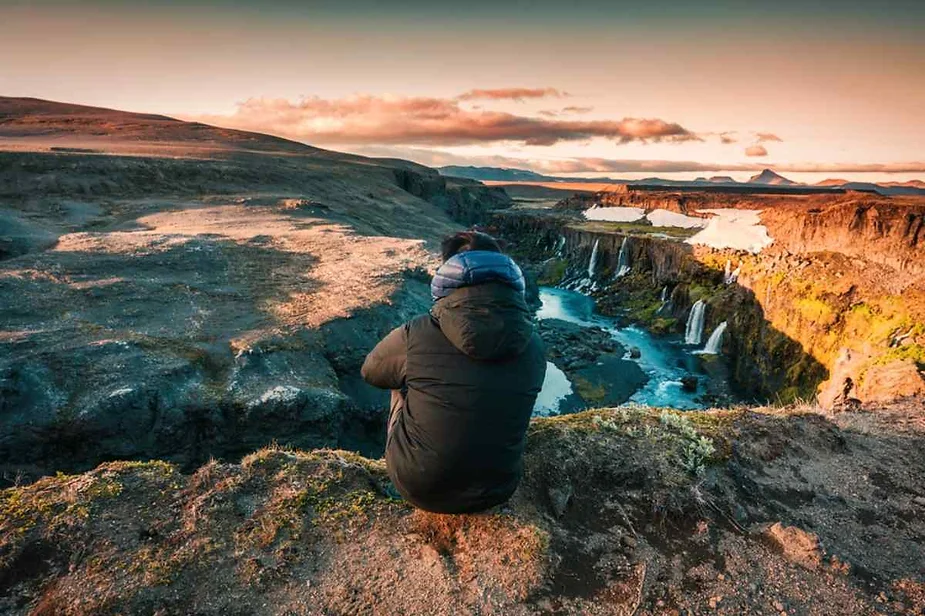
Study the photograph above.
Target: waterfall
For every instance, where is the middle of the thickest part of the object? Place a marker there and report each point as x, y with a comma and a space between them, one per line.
715, 343
664, 300
623, 260
731, 275
592, 264
694, 331
735, 274
560, 244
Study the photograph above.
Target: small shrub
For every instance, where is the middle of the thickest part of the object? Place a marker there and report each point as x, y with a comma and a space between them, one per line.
696, 449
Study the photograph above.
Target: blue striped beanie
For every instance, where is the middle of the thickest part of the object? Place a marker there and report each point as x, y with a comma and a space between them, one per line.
474, 267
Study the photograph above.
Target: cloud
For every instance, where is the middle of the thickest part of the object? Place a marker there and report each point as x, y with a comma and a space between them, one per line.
429, 121
762, 137
555, 113
756, 150
438, 158
727, 138
514, 94
607, 165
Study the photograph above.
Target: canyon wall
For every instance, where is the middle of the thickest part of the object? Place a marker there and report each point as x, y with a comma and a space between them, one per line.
800, 324
884, 230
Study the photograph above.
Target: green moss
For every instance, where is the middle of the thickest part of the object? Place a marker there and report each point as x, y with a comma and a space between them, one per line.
815, 310
702, 291
915, 352
714, 421
663, 325
553, 272
633, 228
588, 391
789, 395
346, 508
592, 421
156, 566
53, 504
637, 300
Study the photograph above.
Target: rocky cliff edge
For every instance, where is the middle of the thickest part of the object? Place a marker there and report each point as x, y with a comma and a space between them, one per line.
621, 511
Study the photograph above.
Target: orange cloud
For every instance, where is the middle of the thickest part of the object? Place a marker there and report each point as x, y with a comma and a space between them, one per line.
756, 150
438, 158
762, 137
555, 113
516, 94
434, 121
727, 138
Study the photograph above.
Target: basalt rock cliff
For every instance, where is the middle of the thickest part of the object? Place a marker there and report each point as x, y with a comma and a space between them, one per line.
835, 308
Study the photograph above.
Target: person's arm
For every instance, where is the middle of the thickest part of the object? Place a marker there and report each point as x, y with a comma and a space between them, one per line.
385, 365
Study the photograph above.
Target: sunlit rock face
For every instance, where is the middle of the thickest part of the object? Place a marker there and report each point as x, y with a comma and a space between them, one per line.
799, 282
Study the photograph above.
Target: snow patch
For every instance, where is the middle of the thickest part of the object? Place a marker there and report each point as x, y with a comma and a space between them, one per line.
615, 214
735, 229
658, 218
667, 218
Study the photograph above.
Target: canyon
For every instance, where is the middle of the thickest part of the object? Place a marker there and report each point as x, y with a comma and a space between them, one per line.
834, 307
184, 429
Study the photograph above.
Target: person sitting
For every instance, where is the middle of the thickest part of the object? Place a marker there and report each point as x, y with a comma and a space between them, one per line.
464, 380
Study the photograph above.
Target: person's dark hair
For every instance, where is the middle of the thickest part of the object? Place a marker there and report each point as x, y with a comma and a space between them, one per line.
468, 240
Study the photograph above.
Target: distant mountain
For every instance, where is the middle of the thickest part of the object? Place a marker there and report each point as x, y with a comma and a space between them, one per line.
767, 178
496, 174
910, 184
912, 187
770, 178
716, 179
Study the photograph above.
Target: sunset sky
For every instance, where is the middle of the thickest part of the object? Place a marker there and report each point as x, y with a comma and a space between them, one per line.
675, 89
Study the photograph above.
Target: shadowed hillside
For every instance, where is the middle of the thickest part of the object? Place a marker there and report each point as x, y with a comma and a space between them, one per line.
181, 291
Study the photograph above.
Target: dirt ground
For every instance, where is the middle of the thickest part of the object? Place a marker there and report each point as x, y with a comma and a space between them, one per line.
621, 511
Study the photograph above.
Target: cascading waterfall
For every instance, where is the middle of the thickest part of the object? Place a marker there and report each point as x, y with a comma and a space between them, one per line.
560, 245
623, 260
694, 332
731, 275
664, 299
592, 264
715, 343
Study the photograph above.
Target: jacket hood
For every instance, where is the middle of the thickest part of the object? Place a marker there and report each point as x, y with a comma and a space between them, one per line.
474, 267
488, 321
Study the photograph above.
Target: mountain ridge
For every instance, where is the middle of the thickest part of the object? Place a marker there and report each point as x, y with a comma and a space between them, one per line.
767, 178
771, 178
